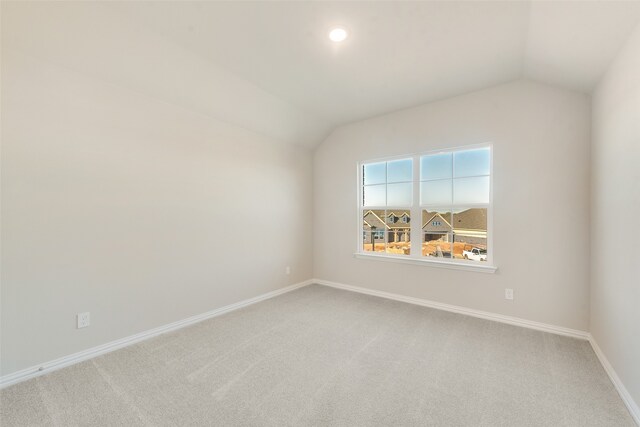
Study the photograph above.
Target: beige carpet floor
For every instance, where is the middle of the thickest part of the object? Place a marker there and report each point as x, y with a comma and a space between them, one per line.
320, 356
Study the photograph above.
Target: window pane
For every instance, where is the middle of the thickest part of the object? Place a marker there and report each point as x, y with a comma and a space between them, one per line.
366, 240
435, 192
472, 162
400, 194
436, 234
398, 231
470, 234
437, 245
435, 166
375, 195
374, 173
374, 228
400, 170
471, 190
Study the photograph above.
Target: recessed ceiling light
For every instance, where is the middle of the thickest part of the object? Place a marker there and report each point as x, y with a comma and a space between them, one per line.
338, 34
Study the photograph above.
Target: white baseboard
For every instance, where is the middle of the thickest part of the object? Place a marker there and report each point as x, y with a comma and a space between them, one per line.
45, 368
559, 330
72, 359
631, 405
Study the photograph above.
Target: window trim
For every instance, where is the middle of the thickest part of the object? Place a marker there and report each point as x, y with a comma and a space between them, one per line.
406, 259
415, 257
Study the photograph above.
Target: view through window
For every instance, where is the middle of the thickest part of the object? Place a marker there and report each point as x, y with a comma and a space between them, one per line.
448, 192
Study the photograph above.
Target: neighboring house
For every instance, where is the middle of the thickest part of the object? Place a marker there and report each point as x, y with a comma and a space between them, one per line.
436, 226
397, 224
469, 226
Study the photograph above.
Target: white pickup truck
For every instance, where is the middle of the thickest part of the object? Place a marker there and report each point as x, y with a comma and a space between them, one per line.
475, 254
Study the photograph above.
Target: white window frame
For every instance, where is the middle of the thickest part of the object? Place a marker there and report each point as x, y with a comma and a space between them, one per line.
416, 257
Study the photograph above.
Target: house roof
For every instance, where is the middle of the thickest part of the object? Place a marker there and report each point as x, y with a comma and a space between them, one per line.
373, 218
469, 219
377, 218
436, 222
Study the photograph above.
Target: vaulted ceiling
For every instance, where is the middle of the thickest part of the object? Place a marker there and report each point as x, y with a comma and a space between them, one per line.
269, 66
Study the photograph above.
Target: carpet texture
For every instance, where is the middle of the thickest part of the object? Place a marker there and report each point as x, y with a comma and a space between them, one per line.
320, 356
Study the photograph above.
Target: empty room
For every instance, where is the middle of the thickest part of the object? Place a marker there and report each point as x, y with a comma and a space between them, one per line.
319, 213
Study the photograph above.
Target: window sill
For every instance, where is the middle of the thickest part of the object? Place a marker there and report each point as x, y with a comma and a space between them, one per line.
452, 265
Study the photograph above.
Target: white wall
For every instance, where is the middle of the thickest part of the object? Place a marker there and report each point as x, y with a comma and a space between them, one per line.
135, 210
541, 200
615, 279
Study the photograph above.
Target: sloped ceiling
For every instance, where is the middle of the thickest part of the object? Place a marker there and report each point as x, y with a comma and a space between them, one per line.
269, 66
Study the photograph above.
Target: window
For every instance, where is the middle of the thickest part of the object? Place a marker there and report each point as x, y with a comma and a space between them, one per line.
449, 191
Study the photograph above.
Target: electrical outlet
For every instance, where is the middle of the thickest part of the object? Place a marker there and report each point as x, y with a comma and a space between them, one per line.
84, 319
287, 270
508, 293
